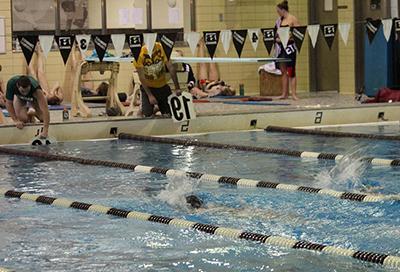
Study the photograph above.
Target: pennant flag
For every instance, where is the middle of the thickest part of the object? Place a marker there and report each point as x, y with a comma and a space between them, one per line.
167, 41
226, 37
150, 40
313, 31
254, 37
135, 42
193, 39
299, 34
284, 35
28, 45
387, 28
372, 27
118, 41
46, 43
211, 39
329, 33
101, 44
239, 39
268, 38
83, 42
65, 44
344, 30
396, 23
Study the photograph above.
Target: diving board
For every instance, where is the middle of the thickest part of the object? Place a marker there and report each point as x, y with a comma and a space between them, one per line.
197, 60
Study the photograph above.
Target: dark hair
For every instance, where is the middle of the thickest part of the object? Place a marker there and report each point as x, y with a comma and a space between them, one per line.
283, 5
102, 90
53, 100
24, 82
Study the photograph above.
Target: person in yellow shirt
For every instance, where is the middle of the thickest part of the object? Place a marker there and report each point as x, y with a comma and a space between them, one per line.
152, 72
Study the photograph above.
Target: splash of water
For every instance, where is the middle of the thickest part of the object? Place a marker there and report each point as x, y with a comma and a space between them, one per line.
348, 173
176, 191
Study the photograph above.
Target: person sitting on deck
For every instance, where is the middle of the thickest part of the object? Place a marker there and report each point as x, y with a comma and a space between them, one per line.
384, 95
22, 92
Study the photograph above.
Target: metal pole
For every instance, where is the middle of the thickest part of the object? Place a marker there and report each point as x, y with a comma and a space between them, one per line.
57, 8
103, 17
149, 15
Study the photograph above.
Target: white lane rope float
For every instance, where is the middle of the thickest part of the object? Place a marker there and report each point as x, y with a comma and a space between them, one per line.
207, 178
267, 150
335, 134
371, 257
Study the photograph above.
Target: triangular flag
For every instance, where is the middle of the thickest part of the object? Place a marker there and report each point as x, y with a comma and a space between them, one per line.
135, 42
28, 45
83, 42
284, 35
344, 30
193, 39
211, 39
239, 39
299, 34
65, 44
313, 31
150, 40
167, 41
118, 41
387, 28
372, 27
101, 44
396, 23
329, 33
268, 38
254, 37
46, 43
226, 37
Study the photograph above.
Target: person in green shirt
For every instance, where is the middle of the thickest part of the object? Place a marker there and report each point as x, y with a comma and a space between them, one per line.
23, 92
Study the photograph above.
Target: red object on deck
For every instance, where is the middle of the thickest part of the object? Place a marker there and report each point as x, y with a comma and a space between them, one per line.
385, 95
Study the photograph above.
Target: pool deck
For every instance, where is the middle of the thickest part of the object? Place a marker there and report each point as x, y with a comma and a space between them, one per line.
326, 108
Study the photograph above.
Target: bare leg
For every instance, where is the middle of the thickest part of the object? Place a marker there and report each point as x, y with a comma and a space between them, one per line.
21, 110
196, 92
285, 82
293, 84
202, 72
41, 74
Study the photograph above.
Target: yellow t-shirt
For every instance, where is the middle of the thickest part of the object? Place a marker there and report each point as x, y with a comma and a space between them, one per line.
154, 66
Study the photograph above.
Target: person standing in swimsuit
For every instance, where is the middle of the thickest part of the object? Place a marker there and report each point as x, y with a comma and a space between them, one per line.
290, 52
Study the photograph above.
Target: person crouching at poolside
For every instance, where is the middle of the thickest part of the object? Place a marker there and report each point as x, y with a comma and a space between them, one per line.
152, 74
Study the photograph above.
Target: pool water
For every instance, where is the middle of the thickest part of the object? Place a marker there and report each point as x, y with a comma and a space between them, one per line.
36, 237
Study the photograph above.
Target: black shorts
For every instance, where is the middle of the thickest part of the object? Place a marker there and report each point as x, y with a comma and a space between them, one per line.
161, 95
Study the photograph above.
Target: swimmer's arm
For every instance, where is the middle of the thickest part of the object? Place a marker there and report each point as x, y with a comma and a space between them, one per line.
295, 22
11, 110
42, 101
174, 76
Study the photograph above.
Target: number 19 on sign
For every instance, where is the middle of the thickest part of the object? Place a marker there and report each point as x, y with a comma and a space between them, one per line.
182, 108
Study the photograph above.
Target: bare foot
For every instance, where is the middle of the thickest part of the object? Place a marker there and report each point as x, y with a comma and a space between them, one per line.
282, 97
295, 97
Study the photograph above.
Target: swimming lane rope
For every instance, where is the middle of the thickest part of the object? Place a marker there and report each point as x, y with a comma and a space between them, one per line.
239, 182
377, 258
331, 133
285, 152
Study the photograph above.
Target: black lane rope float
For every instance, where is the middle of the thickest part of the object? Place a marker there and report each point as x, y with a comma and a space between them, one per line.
371, 257
239, 182
331, 133
285, 152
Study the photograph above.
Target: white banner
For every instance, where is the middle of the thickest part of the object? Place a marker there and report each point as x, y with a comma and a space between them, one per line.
387, 28
150, 40
254, 36
284, 35
118, 41
193, 39
226, 37
83, 42
46, 43
344, 30
313, 31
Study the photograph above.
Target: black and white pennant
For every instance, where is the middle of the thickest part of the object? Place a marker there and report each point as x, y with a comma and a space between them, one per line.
211, 39
239, 39
135, 42
101, 44
329, 33
396, 26
46, 43
268, 38
254, 37
28, 45
167, 41
299, 34
372, 28
83, 42
118, 41
65, 44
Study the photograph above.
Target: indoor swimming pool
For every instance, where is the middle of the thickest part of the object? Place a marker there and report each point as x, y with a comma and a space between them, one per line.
36, 237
